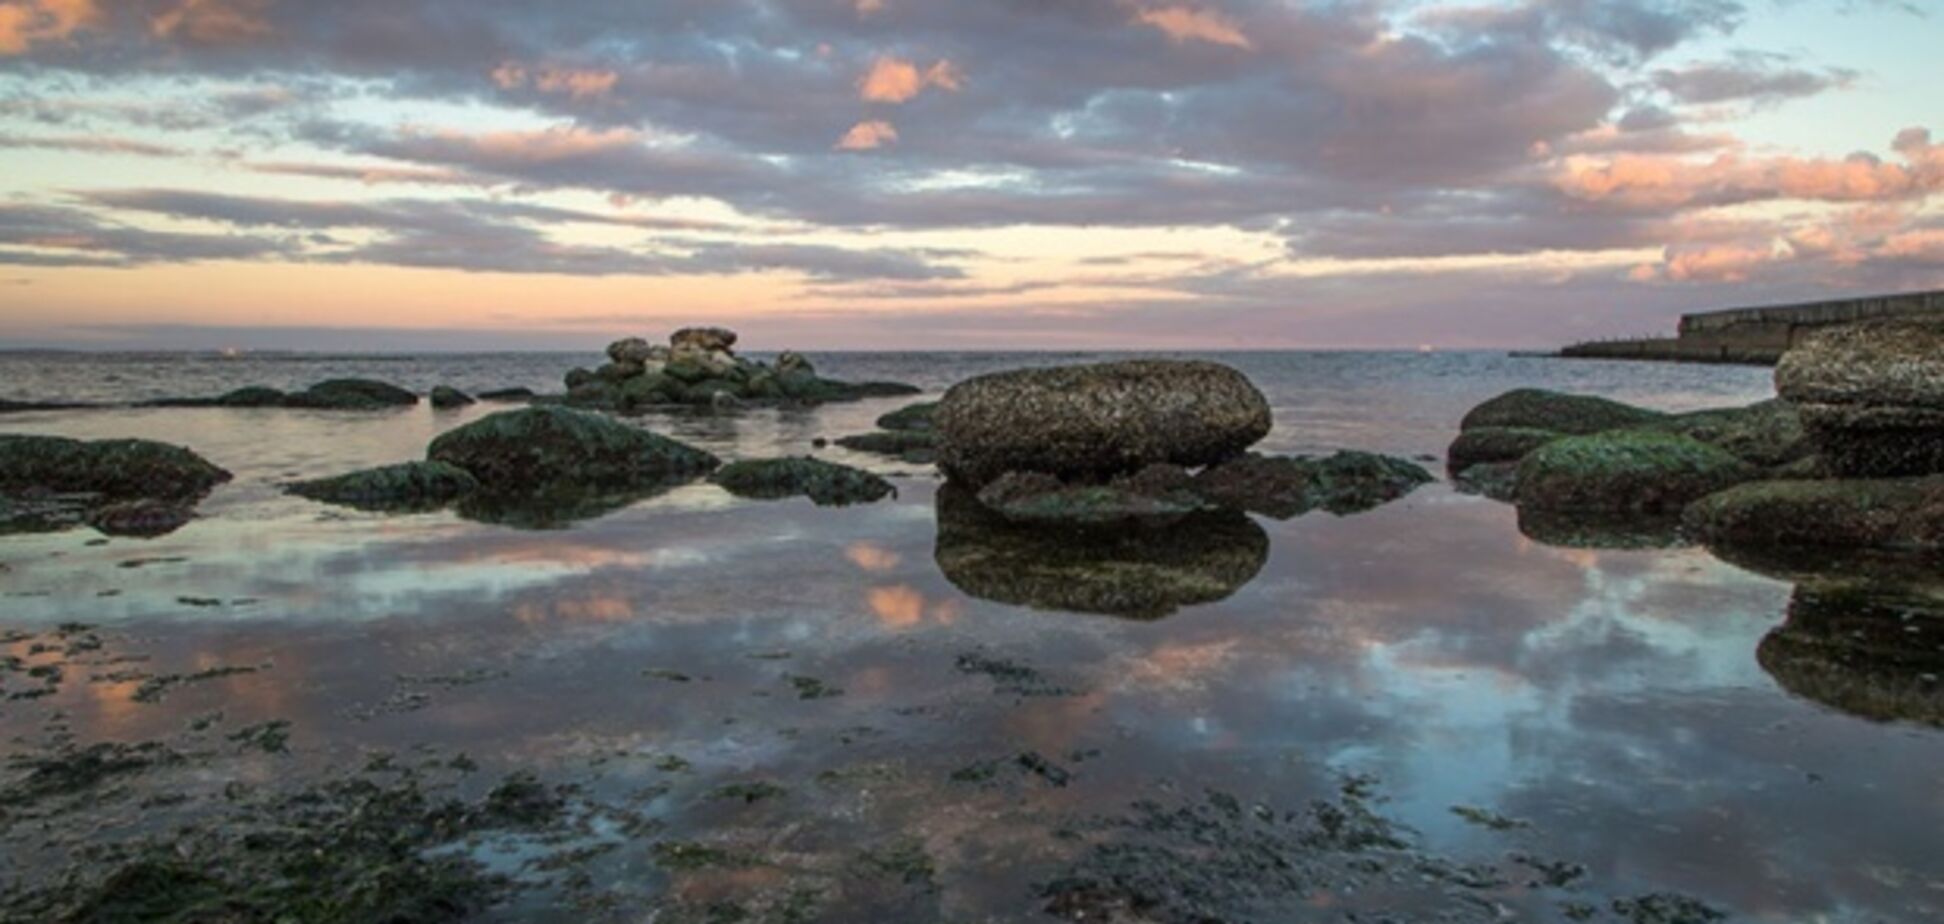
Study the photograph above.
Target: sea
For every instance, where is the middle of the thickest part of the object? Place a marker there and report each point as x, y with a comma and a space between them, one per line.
771, 711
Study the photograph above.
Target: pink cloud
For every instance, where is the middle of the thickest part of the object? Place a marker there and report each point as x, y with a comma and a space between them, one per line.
25, 23
1184, 24
866, 136
213, 22
1666, 181
896, 80
578, 83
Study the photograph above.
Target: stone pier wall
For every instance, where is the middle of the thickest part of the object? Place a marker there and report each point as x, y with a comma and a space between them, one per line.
1757, 335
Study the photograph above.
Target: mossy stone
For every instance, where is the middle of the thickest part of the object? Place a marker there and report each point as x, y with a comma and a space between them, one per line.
1541, 409
406, 486
117, 469
825, 483
1633, 471
523, 450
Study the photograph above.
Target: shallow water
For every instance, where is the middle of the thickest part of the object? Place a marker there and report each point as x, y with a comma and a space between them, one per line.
1577, 706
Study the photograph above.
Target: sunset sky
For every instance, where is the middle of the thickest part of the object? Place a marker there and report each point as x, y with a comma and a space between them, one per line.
823, 174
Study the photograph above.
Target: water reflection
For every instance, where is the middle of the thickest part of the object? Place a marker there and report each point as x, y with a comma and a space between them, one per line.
1133, 573
1583, 530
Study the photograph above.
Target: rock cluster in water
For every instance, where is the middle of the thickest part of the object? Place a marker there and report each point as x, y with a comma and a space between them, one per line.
1851, 455
699, 366
331, 395
907, 434
121, 487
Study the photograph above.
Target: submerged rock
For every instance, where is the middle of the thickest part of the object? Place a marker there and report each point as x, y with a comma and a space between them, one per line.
911, 418
1286, 486
825, 483
115, 469
1844, 513
528, 450
1626, 471
352, 395
16, 407
1557, 412
1093, 422
445, 397
406, 486
1132, 573
1872, 396
145, 518
895, 443
508, 394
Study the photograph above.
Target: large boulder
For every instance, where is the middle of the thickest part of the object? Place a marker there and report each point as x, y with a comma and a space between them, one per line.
1872, 396
826, 484
704, 339
1626, 471
114, 469
527, 450
1893, 513
635, 351
1092, 422
407, 486
1557, 412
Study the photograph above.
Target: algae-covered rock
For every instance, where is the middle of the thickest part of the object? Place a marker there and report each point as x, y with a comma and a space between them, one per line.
445, 397
911, 418
253, 396
890, 442
1767, 434
1633, 471
707, 339
1583, 529
116, 469
20, 407
1839, 513
1869, 647
825, 483
143, 518
1285, 486
1092, 422
1540, 409
406, 486
1488, 445
352, 395
1132, 573
1871, 395
525, 450
507, 394
1156, 495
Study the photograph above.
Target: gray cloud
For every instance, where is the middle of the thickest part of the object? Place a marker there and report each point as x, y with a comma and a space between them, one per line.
1764, 78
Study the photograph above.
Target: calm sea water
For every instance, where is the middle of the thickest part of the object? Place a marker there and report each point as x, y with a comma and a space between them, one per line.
1612, 713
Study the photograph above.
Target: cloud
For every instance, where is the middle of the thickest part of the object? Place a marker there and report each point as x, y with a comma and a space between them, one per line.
575, 83
26, 23
51, 236
866, 136
1183, 24
88, 144
1762, 78
896, 80
1664, 182
213, 22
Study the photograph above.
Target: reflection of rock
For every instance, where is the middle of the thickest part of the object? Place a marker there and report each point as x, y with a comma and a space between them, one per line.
1872, 396
1287, 486
827, 484
553, 507
1863, 645
1626, 471
1581, 530
1093, 422
1853, 513
1156, 495
1135, 573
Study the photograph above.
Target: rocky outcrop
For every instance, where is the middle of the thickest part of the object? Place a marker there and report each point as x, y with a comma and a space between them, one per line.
525, 450
330, 395
914, 418
1872, 396
1897, 513
1626, 471
1094, 422
445, 397
404, 487
1130, 573
1557, 412
826, 484
700, 368
124, 487
20, 407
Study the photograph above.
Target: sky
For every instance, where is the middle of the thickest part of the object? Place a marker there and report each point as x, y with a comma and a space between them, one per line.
954, 174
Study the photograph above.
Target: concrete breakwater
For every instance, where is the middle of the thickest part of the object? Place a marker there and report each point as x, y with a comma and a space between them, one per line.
1758, 335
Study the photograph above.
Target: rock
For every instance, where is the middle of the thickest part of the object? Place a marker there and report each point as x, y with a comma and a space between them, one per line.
527, 450
145, 518
1131, 573
17, 407
1582, 529
889, 442
445, 397
406, 486
1899, 513
706, 339
825, 483
857, 391
1096, 421
578, 378
507, 394
1489, 445
792, 361
253, 396
1284, 487
691, 366
616, 373
113, 469
1539, 409
635, 351
1630, 471
1156, 495
1871, 396
911, 418
1768, 434
352, 395
1496, 480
